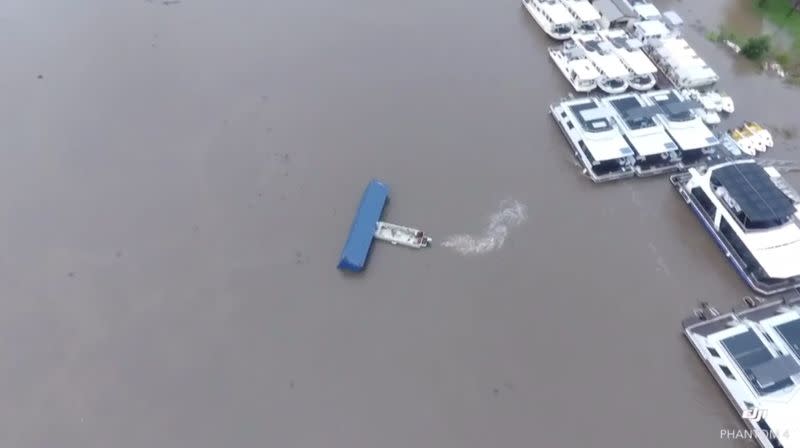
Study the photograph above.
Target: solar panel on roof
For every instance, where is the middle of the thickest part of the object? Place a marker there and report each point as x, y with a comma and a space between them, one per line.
751, 187
637, 113
775, 370
677, 107
791, 333
753, 356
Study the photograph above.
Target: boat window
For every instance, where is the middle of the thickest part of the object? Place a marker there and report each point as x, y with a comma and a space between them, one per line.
713, 352
570, 125
704, 201
727, 372
771, 436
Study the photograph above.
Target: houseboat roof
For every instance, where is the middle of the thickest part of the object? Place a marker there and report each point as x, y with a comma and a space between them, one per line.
643, 132
558, 13
609, 10
672, 19
593, 119
647, 11
652, 28
584, 69
638, 62
584, 10
754, 191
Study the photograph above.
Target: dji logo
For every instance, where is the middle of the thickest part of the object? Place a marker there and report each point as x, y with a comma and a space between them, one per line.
754, 414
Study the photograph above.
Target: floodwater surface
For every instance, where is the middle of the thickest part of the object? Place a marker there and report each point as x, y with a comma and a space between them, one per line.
177, 182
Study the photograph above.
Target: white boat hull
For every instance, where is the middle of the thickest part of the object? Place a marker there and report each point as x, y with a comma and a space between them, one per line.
642, 86
543, 23
606, 87
746, 146
401, 235
561, 62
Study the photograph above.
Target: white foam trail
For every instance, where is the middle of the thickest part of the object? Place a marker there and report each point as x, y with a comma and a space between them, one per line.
511, 214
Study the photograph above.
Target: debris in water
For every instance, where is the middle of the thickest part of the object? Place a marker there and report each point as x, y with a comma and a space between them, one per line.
736, 49
40, 77
511, 214
774, 67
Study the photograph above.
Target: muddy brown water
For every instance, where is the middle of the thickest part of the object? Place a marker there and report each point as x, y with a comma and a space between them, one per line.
178, 180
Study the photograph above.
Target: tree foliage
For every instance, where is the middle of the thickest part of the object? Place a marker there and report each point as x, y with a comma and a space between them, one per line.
756, 48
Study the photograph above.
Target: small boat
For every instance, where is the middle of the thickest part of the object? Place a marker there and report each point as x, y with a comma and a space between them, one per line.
709, 117
553, 17
744, 142
760, 132
727, 103
758, 141
579, 71
402, 235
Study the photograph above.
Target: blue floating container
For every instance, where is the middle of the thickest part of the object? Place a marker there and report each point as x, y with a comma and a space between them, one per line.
362, 232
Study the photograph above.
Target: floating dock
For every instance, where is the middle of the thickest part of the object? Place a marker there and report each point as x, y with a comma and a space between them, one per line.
362, 231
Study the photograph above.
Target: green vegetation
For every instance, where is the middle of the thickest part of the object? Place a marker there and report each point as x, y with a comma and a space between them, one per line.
783, 13
786, 15
756, 48
724, 34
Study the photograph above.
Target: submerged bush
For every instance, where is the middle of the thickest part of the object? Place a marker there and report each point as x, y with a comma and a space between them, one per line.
756, 48
783, 59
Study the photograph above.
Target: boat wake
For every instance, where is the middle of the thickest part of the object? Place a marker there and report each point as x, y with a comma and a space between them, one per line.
511, 214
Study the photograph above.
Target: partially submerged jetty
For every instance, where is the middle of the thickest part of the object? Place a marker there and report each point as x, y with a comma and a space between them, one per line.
367, 225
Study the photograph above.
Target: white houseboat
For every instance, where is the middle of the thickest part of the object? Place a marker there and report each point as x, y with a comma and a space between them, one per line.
587, 19
642, 71
753, 215
552, 16
614, 74
595, 138
694, 139
573, 64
